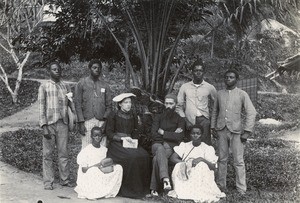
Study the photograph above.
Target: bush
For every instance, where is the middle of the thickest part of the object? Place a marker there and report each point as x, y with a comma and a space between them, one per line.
27, 95
23, 149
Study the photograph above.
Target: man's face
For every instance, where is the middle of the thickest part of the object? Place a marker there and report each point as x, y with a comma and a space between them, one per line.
230, 79
95, 70
170, 103
198, 72
55, 71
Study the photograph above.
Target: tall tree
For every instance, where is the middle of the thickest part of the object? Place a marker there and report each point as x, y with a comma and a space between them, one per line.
18, 21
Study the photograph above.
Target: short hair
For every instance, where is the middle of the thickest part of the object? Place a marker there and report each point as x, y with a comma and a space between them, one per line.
198, 62
53, 63
93, 61
236, 73
94, 129
197, 126
171, 96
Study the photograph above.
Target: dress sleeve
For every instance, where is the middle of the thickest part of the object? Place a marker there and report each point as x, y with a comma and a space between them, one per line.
82, 158
180, 150
210, 155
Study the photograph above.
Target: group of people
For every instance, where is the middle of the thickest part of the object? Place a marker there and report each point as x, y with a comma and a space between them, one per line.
113, 162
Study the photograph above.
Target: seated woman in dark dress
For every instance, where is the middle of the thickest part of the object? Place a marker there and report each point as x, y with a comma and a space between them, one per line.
122, 125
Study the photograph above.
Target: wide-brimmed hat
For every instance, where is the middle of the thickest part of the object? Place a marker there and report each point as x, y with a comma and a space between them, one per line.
122, 96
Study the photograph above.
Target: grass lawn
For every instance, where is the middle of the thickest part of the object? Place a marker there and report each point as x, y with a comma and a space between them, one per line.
273, 165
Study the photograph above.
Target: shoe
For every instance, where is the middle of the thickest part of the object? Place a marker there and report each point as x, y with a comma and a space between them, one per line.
50, 187
167, 185
68, 184
153, 193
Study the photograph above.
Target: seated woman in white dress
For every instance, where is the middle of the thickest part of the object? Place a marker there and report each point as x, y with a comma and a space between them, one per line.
193, 174
92, 183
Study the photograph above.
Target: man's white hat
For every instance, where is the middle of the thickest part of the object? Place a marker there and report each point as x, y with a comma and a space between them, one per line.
122, 96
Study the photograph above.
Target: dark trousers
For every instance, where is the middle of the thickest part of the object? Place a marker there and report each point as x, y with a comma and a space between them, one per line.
205, 123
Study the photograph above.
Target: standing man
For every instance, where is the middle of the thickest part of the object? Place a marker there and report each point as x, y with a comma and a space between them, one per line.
93, 102
194, 99
231, 132
167, 132
53, 118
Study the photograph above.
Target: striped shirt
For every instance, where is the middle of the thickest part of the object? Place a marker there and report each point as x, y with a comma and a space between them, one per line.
53, 102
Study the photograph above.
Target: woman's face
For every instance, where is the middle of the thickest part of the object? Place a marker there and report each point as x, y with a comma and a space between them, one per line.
195, 134
125, 105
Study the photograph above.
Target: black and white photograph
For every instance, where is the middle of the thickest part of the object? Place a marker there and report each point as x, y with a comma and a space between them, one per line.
149, 101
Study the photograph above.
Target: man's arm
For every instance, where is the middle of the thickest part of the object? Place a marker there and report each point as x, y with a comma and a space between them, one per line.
178, 135
108, 102
42, 112
78, 101
250, 114
181, 101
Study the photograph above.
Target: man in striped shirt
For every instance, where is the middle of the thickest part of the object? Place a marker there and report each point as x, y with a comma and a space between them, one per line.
53, 119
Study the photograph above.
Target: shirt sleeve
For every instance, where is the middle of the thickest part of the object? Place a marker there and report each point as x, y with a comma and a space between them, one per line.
78, 101
214, 114
42, 106
181, 101
108, 102
250, 113
180, 149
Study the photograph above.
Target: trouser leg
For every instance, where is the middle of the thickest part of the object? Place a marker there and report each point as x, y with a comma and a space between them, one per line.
205, 123
161, 154
223, 140
48, 174
237, 148
62, 148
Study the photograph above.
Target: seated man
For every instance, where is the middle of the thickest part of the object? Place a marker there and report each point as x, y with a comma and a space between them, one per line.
193, 175
93, 180
167, 132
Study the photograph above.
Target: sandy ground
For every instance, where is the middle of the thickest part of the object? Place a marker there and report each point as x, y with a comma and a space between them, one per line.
19, 186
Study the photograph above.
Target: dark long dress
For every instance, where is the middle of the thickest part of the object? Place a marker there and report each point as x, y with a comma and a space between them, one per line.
136, 163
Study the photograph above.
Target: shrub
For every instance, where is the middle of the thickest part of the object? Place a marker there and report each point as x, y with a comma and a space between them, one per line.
27, 95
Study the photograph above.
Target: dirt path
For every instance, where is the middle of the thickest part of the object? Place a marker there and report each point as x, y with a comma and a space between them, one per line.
19, 186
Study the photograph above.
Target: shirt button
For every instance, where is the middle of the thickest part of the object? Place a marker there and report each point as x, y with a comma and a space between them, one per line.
226, 110
225, 118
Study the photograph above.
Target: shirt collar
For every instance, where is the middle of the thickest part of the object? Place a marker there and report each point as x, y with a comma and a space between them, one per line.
198, 85
53, 82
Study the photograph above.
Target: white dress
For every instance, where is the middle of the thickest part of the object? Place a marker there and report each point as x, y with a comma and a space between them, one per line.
195, 183
94, 183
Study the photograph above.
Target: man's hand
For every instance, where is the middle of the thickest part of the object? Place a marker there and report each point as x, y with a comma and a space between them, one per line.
161, 131
214, 133
188, 124
178, 130
47, 133
82, 128
244, 136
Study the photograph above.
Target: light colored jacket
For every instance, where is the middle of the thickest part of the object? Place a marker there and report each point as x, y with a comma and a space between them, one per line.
228, 111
